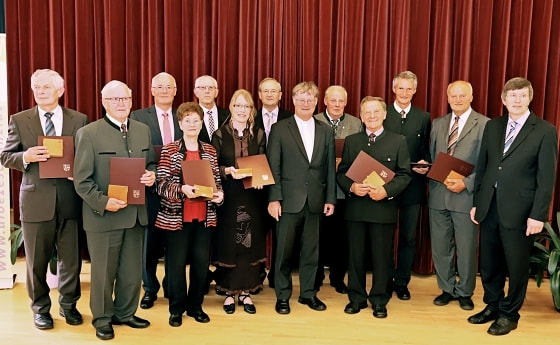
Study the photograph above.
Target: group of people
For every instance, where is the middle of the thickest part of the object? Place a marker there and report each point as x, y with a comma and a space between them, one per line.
319, 216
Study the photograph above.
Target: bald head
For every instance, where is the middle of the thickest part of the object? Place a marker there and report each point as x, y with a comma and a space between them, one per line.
459, 96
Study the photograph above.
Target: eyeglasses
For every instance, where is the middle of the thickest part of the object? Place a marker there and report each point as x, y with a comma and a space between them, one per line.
192, 122
270, 92
116, 100
161, 88
242, 106
207, 88
306, 101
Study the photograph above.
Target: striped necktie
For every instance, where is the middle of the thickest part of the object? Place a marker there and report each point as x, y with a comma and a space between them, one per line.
453, 137
509, 136
49, 125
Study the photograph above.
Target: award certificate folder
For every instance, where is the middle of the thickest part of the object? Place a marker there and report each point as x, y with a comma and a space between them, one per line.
199, 173
61, 164
125, 171
118, 192
364, 165
261, 170
444, 164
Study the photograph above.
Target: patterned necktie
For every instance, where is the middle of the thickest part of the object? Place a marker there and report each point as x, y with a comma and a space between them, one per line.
49, 125
211, 125
453, 137
509, 136
166, 129
403, 116
371, 138
123, 128
334, 124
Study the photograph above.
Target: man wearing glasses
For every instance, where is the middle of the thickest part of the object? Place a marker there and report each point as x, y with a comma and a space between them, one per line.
114, 229
206, 90
162, 120
302, 160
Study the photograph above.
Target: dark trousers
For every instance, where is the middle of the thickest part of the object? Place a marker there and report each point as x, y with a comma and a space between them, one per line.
378, 237
154, 248
504, 250
297, 231
189, 245
333, 246
408, 222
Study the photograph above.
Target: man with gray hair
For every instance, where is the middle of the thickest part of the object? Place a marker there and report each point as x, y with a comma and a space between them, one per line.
206, 90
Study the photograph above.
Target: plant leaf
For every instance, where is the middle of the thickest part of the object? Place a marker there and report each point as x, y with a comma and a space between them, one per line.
553, 260
555, 288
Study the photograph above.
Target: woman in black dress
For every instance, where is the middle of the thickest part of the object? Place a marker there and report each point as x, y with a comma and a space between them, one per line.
239, 244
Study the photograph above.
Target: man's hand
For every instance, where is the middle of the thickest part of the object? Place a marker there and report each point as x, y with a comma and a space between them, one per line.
36, 154
473, 212
377, 193
533, 226
113, 205
456, 185
328, 209
275, 210
360, 189
148, 178
422, 171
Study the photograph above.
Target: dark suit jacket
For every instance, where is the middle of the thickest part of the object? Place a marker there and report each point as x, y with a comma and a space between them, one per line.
223, 115
297, 179
96, 143
37, 197
416, 129
524, 175
148, 116
282, 115
390, 150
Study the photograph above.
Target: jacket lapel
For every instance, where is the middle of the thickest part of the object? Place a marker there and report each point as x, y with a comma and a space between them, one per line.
294, 130
523, 133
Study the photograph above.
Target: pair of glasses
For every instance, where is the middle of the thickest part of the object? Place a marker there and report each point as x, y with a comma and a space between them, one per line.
207, 88
242, 106
117, 100
161, 88
270, 92
305, 101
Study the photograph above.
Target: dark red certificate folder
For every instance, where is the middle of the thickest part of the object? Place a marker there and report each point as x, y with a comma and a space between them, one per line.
199, 172
125, 171
261, 170
58, 167
364, 165
444, 164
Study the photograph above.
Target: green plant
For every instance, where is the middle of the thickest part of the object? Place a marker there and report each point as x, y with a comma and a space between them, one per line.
547, 257
16, 238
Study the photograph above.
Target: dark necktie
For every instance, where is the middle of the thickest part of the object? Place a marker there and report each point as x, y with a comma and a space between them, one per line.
453, 137
334, 124
123, 128
371, 138
49, 125
211, 125
403, 116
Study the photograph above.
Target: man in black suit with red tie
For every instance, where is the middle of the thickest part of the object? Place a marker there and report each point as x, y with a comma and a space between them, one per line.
162, 120
513, 189
414, 123
206, 90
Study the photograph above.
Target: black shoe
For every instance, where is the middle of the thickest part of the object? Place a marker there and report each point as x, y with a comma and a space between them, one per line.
313, 303
256, 292
199, 316
133, 322
379, 311
340, 287
105, 332
502, 326
175, 320
354, 307
230, 308
220, 292
72, 316
43, 321
486, 315
148, 300
466, 303
247, 307
444, 299
402, 292
282, 306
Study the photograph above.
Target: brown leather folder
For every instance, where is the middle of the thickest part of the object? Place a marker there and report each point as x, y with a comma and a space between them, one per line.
364, 165
125, 171
61, 164
118, 192
261, 170
199, 173
444, 164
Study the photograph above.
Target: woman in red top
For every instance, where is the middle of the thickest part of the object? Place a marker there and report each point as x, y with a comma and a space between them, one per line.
187, 220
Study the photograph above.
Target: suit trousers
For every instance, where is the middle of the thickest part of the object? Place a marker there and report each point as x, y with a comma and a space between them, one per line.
189, 245
504, 250
40, 240
297, 231
116, 268
408, 222
333, 246
379, 238
453, 233
154, 248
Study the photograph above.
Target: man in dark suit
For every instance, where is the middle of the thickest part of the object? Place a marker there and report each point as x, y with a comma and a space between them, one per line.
114, 229
302, 160
49, 208
452, 234
371, 211
333, 246
270, 94
403, 118
513, 189
162, 120
206, 90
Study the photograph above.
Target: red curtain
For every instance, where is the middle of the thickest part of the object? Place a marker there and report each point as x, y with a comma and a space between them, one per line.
360, 44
